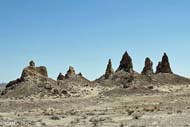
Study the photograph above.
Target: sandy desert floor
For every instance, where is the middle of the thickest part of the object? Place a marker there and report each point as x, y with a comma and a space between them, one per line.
169, 108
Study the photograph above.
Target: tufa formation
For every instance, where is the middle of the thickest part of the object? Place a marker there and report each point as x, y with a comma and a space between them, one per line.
147, 70
30, 72
109, 70
60, 77
164, 65
70, 72
126, 63
158, 68
32, 63
33, 72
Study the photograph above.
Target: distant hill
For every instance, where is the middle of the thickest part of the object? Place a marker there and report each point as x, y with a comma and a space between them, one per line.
3, 84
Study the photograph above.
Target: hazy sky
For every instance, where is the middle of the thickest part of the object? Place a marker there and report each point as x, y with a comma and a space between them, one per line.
86, 33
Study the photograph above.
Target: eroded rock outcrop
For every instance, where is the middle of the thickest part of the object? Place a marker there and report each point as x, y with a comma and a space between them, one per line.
126, 63
29, 73
109, 70
14, 82
60, 77
34, 72
164, 65
70, 72
34, 81
148, 70
158, 68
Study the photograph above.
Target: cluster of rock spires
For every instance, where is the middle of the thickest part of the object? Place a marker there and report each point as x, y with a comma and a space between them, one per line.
33, 72
127, 66
70, 74
35, 81
40, 74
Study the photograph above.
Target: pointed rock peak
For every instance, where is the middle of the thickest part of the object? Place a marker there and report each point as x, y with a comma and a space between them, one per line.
109, 70
60, 77
126, 63
165, 58
70, 72
158, 68
164, 65
147, 70
80, 74
32, 63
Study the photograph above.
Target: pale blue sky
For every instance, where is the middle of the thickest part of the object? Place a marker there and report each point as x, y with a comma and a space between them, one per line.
86, 33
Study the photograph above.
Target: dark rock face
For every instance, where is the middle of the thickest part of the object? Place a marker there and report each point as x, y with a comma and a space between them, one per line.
164, 65
80, 74
126, 63
12, 83
70, 72
158, 68
32, 63
109, 70
60, 77
147, 70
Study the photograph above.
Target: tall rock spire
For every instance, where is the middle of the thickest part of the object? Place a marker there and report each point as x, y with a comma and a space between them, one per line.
109, 70
147, 70
158, 68
126, 63
164, 65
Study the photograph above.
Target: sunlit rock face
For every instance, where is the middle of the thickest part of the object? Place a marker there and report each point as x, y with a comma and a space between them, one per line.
148, 70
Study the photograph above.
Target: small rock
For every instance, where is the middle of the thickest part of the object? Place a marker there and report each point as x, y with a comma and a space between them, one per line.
55, 118
32, 63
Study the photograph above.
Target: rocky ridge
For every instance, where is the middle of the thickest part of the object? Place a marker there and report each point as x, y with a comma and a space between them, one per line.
35, 81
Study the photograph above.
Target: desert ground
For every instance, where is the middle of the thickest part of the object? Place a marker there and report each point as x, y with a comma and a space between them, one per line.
170, 107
